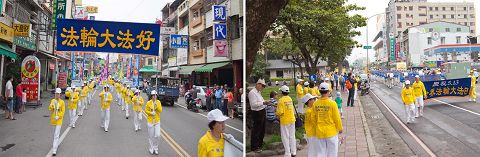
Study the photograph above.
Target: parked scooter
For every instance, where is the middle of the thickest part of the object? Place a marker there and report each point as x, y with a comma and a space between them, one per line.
194, 105
364, 87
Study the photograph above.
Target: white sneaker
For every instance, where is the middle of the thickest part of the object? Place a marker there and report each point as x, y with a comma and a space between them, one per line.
408, 121
156, 152
151, 151
73, 125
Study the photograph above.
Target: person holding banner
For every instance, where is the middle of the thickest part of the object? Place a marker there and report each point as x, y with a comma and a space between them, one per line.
106, 99
408, 99
473, 89
57, 107
72, 104
137, 109
420, 93
153, 109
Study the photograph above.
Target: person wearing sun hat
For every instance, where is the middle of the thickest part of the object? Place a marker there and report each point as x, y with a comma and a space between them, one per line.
213, 141
57, 107
106, 99
286, 114
73, 97
137, 109
257, 105
419, 93
408, 99
153, 109
327, 123
308, 100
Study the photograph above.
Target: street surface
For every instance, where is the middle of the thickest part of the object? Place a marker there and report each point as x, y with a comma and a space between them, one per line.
449, 127
31, 134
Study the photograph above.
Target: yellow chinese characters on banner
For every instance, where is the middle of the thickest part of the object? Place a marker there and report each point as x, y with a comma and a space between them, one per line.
92, 9
22, 29
6, 32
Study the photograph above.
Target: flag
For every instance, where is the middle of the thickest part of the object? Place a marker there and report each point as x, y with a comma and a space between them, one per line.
73, 66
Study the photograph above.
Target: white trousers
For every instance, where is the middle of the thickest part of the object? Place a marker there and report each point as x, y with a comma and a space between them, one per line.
105, 118
327, 147
126, 110
355, 94
300, 106
312, 145
153, 135
73, 116
80, 107
410, 111
288, 139
136, 121
56, 137
419, 106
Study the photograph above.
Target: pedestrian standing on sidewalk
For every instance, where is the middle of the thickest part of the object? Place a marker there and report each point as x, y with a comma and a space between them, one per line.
342, 83
18, 95
137, 109
218, 98
339, 102
225, 100
308, 100
208, 99
271, 108
230, 104
473, 88
300, 93
212, 143
9, 98
153, 110
105, 100
335, 81
73, 97
408, 100
327, 124
57, 107
420, 93
286, 114
351, 91
257, 105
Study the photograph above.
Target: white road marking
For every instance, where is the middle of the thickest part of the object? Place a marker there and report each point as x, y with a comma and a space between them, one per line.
408, 130
206, 117
64, 134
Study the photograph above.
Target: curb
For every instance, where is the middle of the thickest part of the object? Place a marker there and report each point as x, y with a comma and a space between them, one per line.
371, 146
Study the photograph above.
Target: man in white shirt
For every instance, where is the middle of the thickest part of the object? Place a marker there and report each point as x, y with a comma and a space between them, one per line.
257, 105
9, 97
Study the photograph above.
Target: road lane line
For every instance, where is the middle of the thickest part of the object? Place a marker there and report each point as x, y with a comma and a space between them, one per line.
206, 117
423, 145
469, 111
170, 141
64, 134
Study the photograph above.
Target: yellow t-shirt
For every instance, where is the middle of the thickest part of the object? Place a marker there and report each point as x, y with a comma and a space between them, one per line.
300, 92
137, 105
326, 118
72, 99
407, 96
285, 110
59, 107
209, 147
419, 89
150, 108
103, 104
309, 119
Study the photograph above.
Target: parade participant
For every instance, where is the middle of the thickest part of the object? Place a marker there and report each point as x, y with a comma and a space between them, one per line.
137, 109
153, 109
106, 99
475, 73
327, 123
306, 90
408, 100
212, 143
420, 93
117, 86
128, 100
73, 97
84, 98
473, 89
313, 89
308, 100
124, 95
90, 93
300, 92
286, 113
57, 107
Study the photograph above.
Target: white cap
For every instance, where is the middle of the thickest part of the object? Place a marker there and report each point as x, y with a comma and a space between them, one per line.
216, 115
69, 88
407, 82
416, 76
128, 86
137, 91
58, 91
324, 87
153, 92
285, 89
300, 80
306, 83
307, 97
261, 81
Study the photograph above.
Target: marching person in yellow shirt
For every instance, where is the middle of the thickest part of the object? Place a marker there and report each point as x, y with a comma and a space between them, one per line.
408, 100
308, 100
306, 90
300, 93
286, 114
57, 107
73, 97
153, 109
137, 109
117, 86
83, 99
473, 87
128, 100
123, 90
105, 100
314, 89
327, 123
420, 93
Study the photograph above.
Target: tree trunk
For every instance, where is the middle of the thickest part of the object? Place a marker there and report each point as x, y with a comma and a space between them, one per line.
261, 14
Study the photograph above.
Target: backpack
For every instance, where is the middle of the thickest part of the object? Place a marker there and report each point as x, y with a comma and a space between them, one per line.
348, 84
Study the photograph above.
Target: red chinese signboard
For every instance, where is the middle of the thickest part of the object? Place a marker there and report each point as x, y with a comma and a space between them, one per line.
30, 77
62, 80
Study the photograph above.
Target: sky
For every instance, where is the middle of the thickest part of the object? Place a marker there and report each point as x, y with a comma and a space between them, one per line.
378, 6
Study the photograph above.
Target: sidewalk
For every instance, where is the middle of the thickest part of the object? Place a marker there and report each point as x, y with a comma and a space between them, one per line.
354, 131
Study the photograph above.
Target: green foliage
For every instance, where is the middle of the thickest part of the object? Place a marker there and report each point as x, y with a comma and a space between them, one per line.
259, 67
320, 29
280, 79
266, 93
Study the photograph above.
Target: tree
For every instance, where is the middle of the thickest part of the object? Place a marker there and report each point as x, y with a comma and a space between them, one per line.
259, 67
282, 45
321, 29
261, 14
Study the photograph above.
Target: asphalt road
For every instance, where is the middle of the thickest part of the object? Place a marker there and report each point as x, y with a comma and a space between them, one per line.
181, 129
449, 127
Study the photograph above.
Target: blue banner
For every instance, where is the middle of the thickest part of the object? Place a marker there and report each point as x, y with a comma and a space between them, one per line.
454, 87
219, 13
219, 31
104, 36
178, 41
135, 72
73, 66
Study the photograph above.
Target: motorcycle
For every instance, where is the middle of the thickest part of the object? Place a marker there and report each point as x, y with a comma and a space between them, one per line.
194, 105
238, 111
364, 87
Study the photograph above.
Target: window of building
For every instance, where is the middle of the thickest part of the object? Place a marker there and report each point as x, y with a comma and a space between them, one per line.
465, 16
234, 25
465, 23
196, 45
443, 8
471, 8
399, 25
436, 8
442, 40
472, 23
429, 40
430, 30
444, 16
472, 16
430, 8
458, 39
471, 31
431, 16
464, 8
150, 61
447, 29
279, 73
399, 8
452, 16
459, 29
195, 15
399, 16
399, 32
405, 8
410, 8
452, 8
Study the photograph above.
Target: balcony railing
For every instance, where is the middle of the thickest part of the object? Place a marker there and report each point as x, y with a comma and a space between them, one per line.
197, 21
198, 53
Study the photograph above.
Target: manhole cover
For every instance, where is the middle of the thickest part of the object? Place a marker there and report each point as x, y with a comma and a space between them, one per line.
8, 146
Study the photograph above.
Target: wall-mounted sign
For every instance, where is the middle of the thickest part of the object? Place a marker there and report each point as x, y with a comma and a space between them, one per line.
22, 29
